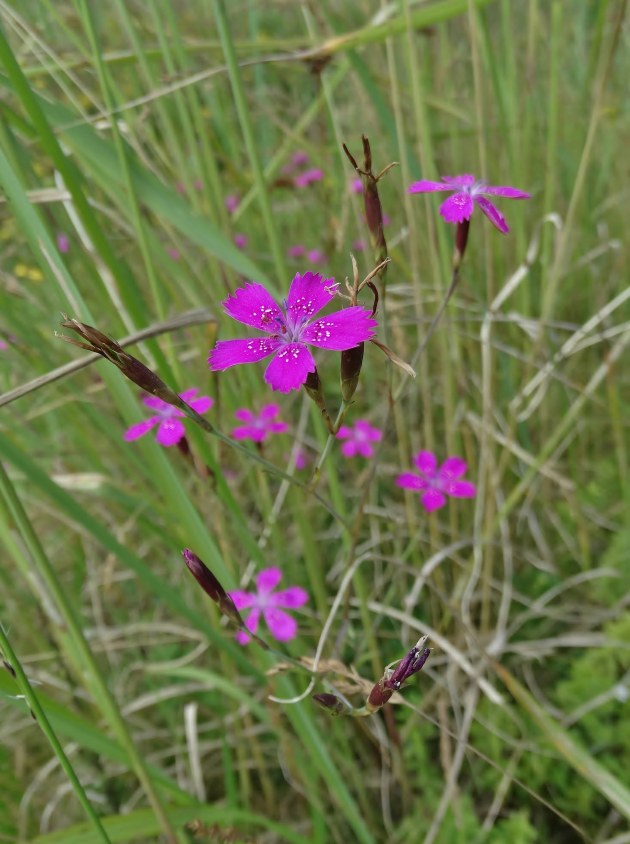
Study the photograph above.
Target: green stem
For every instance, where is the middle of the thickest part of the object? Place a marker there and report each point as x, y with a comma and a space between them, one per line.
28, 693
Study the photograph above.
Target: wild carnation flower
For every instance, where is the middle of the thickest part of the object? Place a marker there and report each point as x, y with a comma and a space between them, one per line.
359, 439
468, 192
63, 242
316, 256
168, 418
232, 201
296, 251
304, 179
436, 483
267, 602
290, 329
356, 185
258, 425
240, 241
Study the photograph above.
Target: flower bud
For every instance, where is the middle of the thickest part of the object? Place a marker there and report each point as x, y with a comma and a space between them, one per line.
351, 363
331, 703
212, 587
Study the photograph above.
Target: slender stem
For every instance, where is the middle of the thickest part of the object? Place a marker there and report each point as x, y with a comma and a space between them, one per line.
331, 436
29, 695
100, 690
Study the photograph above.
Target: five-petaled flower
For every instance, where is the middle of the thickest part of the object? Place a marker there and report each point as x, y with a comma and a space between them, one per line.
267, 602
308, 176
468, 192
290, 329
258, 425
436, 483
168, 418
359, 439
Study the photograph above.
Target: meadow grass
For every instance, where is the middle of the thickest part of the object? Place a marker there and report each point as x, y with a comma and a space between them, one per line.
129, 711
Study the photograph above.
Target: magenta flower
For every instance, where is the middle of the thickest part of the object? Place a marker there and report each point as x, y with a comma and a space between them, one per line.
316, 256
436, 483
168, 418
290, 330
304, 179
359, 439
63, 242
240, 241
232, 201
281, 626
356, 185
296, 251
358, 245
173, 253
258, 426
467, 192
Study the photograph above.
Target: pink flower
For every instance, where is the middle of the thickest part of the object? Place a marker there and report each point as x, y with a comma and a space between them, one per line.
467, 192
316, 256
356, 185
359, 439
240, 241
298, 159
258, 426
436, 483
170, 429
296, 251
232, 201
173, 253
281, 626
304, 179
63, 242
358, 245
3, 345
198, 184
290, 330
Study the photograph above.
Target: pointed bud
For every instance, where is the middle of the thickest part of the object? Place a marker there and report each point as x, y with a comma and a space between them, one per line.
212, 587
351, 363
378, 697
132, 368
461, 239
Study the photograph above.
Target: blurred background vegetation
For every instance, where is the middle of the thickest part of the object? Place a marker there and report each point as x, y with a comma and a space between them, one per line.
124, 126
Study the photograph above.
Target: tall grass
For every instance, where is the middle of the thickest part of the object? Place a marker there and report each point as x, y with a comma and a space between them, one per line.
129, 713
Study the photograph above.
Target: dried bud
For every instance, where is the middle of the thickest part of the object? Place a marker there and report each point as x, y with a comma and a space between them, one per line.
351, 363
392, 681
378, 697
461, 239
132, 368
212, 587
331, 703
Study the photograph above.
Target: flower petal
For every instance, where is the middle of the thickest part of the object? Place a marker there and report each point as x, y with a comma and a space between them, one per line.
365, 450
281, 626
457, 208
493, 214
253, 305
342, 330
308, 294
408, 480
268, 579
289, 368
465, 180
269, 411
349, 449
243, 414
453, 467
292, 597
344, 432
140, 428
170, 432
252, 620
202, 404
426, 462
276, 427
242, 599
155, 403
425, 186
460, 489
228, 353
188, 395
432, 499
248, 432
241, 637
504, 190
